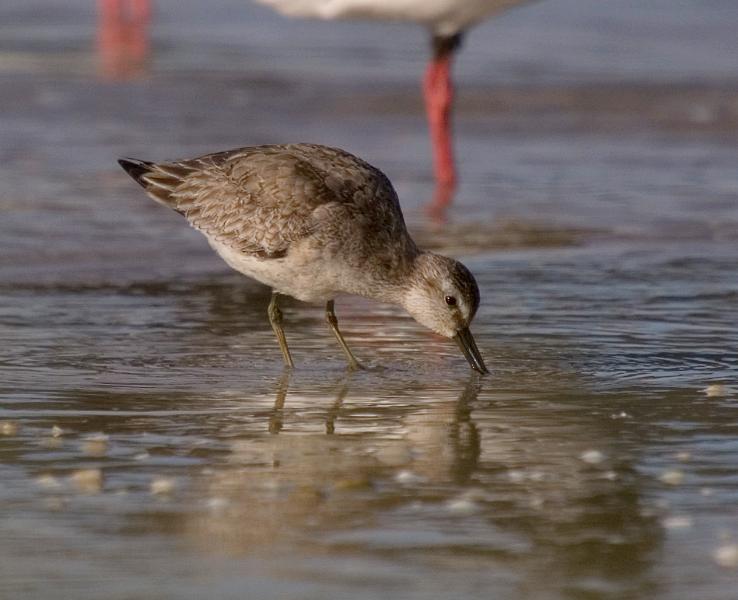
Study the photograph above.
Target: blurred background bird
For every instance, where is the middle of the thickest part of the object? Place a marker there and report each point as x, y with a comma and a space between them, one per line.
447, 20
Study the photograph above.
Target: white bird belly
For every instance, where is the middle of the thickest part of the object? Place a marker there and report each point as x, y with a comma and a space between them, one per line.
299, 274
446, 17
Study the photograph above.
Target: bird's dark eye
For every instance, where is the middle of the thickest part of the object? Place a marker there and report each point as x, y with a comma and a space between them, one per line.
450, 300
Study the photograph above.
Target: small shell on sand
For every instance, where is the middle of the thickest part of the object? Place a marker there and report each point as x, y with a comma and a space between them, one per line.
672, 477
162, 486
9, 427
715, 390
726, 556
677, 522
592, 457
464, 504
48, 481
88, 481
407, 477
96, 445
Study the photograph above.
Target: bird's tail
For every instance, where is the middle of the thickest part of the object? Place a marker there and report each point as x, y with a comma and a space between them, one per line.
159, 180
136, 168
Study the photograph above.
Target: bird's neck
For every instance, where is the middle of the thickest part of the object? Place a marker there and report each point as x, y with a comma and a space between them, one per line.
414, 275
391, 282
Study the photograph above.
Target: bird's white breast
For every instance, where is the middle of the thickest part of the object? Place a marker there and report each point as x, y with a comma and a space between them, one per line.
445, 17
294, 274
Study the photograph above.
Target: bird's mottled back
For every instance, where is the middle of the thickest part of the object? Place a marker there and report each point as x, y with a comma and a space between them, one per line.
259, 200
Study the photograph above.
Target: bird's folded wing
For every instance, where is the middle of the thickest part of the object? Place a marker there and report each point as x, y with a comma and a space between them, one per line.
255, 202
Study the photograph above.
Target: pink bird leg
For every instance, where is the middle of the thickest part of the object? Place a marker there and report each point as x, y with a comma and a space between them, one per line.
123, 36
438, 92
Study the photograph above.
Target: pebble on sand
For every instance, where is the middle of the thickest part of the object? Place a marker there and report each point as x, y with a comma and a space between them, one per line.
408, 477
715, 390
464, 504
672, 477
217, 504
96, 445
88, 481
726, 556
48, 481
677, 522
9, 428
162, 486
592, 457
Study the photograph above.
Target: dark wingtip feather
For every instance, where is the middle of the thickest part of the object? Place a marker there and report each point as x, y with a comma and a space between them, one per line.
136, 168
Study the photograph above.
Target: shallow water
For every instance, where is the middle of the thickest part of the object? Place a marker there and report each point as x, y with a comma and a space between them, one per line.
150, 443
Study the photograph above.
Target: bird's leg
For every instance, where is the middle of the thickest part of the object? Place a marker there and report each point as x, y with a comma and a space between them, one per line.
275, 318
123, 36
438, 93
125, 10
332, 320
141, 11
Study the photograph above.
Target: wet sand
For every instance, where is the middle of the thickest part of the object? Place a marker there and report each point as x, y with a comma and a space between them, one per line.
151, 444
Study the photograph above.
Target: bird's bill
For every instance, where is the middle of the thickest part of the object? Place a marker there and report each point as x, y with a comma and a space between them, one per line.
468, 346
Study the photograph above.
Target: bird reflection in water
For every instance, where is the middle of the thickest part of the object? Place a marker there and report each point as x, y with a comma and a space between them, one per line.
462, 422
437, 207
278, 486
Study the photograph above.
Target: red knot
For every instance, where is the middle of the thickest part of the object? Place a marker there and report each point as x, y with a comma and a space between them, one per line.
310, 222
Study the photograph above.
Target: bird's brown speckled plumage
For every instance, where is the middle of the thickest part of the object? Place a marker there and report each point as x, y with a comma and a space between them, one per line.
260, 200
311, 221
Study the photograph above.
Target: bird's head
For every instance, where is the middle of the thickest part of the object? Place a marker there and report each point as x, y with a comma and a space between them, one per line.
444, 297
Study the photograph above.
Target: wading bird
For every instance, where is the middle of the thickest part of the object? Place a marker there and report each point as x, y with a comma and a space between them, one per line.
310, 222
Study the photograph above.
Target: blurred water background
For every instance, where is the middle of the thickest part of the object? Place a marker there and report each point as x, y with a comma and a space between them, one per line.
151, 445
